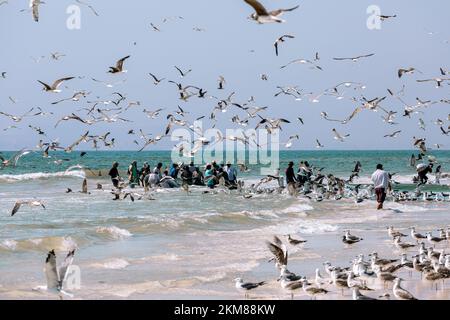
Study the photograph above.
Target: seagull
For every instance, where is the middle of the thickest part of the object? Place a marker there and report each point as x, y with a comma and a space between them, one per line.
437, 80
155, 28
261, 14
295, 242
392, 233
279, 250
359, 296
156, 80
303, 61
56, 55
34, 5
281, 39
14, 159
338, 136
318, 144
311, 290
290, 141
384, 17
355, 59
247, 286
183, 74
393, 135
411, 70
221, 82
76, 97
32, 203
401, 293
119, 66
55, 85
351, 237
432, 239
56, 277
89, 6
402, 245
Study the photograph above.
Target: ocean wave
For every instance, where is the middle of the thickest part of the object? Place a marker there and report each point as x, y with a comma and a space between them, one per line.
63, 244
9, 245
114, 264
114, 232
41, 175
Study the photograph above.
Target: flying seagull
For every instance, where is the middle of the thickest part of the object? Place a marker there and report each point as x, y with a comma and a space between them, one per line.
32, 203
156, 80
355, 59
119, 66
437, 80
183, 74
393, 135
319, 145
89, 6
55, 85
261, 15
410, 70
34, 5
281, 39
338, 136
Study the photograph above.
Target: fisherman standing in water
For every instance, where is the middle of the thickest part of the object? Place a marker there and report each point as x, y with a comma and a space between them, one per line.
380, 180
114, 174
133, 174
290, 175
422, 171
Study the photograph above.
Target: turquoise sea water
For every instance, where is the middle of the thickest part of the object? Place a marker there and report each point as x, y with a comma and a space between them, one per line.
338, 162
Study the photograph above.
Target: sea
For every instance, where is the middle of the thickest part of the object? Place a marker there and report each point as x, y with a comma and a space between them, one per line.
178, 245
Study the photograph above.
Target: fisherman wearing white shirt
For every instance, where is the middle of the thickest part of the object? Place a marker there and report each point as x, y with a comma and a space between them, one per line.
232, 174
380, 179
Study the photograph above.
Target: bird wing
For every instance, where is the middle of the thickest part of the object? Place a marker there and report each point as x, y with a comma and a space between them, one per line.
65, 265
259, 8
119, 64
19, 155
51, 272
58, 82
45, 85
35, 9
181, 72
16, 208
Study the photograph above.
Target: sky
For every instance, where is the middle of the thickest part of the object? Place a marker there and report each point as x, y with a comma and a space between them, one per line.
232, 46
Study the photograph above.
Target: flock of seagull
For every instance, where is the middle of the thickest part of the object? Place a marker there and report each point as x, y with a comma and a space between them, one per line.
362, 275
435, 265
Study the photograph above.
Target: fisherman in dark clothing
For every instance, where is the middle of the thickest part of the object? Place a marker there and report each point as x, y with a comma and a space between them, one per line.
114, 174
290, 175
423, 179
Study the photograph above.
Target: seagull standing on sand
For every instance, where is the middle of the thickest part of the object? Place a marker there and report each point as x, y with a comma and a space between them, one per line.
400, 293
247, 286
359, 296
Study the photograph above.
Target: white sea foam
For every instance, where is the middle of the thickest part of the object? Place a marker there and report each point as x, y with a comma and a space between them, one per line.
114, 232
40, 175
115, 264
9, 244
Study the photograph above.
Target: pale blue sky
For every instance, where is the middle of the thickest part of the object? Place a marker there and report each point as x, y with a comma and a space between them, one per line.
333, 28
